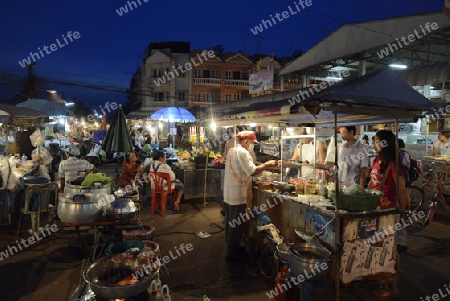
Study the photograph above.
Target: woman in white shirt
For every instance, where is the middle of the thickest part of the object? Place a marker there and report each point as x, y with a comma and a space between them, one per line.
159, 165
440, 146
304, 153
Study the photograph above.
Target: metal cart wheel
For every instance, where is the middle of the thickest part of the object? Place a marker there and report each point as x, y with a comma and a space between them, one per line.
265, 256
417, 196
418, 202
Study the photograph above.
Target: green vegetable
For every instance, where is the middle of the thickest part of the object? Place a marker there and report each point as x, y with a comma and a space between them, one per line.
96, 177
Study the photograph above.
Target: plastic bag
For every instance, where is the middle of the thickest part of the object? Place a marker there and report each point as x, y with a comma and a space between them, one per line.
203, 234
41, 155
4, 172
14, 177
37, 138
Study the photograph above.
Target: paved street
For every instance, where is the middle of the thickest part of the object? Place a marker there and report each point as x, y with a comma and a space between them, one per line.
50, 269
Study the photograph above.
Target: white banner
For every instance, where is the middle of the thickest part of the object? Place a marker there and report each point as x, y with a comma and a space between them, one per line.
261, 81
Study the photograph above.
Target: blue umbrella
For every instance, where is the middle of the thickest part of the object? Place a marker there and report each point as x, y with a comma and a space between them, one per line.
173, 114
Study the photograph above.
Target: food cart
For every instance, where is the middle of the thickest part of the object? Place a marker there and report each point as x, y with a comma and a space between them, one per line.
345, 232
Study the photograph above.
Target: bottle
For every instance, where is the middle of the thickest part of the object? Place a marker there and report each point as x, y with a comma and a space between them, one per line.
157, 282
322, 186
369, 258
384, 253
350, 260
155, 287
22, 159
165, 293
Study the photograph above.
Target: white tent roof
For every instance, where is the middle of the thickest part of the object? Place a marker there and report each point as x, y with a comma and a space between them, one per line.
351, 39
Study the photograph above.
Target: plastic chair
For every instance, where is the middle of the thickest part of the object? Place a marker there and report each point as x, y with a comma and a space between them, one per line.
159, 196
38, 199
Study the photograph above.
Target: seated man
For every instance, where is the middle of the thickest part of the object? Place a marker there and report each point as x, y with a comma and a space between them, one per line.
159, 165
69, 169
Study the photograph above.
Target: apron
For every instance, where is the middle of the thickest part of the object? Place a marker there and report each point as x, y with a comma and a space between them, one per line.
248, 231
248, 187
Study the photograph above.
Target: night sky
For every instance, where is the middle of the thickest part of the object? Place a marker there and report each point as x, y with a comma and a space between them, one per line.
110, 47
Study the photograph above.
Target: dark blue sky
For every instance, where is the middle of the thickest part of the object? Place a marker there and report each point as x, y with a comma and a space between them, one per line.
110, 47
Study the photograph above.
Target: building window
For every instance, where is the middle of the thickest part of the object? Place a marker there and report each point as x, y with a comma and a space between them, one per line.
160, 72
155, 73
198, 73
228, 97
207, 73
181, 96
236, 74
215, 98
182, 74
245, 75
236, 96
159, 97
205, 97
228, 74
168, 96
215, 74
197, 96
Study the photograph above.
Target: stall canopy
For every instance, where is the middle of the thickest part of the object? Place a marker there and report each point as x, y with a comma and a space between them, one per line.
49, 107
383, 92
22, 117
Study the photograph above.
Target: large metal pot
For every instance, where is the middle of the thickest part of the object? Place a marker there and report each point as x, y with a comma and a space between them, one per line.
79, 208
121, 209
78, 189
308, 260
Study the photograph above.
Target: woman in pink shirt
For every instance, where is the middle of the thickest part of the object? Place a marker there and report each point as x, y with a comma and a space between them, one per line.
385, 147
384, 167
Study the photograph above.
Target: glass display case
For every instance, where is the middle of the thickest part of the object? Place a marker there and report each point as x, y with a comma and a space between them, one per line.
304, 151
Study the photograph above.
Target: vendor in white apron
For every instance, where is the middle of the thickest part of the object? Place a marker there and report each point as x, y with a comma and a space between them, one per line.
304, 153
440, 146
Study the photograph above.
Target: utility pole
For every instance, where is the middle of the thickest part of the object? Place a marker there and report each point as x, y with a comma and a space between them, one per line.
258, 43
290, 43
243, 33
31, 83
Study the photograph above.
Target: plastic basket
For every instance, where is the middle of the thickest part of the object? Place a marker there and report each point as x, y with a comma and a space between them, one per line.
365, 202
151, 246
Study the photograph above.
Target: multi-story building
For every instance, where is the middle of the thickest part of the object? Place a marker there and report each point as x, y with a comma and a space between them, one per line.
213, 79
221, 79
163, 84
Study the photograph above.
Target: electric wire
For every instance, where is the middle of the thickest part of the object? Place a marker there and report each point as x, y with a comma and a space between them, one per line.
214, 225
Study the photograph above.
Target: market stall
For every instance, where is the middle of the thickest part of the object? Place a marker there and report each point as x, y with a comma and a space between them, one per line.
13, 168
331, 219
